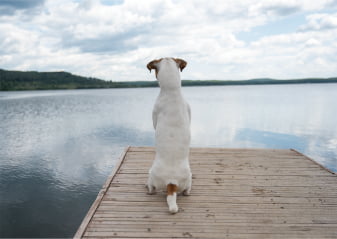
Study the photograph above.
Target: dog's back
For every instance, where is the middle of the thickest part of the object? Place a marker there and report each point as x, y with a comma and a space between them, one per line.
171, 120
172, 124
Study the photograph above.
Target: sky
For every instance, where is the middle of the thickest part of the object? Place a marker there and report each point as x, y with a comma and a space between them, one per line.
220, 39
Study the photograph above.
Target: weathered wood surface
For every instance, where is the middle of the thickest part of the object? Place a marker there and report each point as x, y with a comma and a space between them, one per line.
236, 193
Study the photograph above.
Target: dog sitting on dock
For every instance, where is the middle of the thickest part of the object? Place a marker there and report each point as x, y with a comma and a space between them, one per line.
171, 117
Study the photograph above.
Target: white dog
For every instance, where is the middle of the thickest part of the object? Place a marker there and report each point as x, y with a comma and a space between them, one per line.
171, 119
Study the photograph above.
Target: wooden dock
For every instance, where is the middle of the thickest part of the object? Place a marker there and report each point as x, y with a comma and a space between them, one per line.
236, 193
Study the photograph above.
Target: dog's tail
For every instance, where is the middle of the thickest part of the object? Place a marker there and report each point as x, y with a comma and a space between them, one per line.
172, 197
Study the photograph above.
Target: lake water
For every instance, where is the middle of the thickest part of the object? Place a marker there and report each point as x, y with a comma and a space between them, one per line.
58, 147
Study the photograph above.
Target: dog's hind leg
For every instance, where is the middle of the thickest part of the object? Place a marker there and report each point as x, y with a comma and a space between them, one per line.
187, 191
151, 189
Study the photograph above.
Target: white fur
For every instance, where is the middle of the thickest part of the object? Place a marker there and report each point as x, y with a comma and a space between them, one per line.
171, 120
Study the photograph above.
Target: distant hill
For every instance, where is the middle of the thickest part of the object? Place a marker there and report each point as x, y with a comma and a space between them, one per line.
264, 81
33, 80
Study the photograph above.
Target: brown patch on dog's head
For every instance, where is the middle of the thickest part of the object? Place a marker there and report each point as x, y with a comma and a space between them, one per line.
153, 65
181, 63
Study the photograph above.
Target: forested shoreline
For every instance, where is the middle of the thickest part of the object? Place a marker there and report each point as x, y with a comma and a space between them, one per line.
33, 80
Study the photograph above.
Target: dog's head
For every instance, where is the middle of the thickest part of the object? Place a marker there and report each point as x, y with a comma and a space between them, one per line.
166, 65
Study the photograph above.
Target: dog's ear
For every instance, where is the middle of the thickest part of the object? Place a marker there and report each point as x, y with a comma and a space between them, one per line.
181, 63
153, 65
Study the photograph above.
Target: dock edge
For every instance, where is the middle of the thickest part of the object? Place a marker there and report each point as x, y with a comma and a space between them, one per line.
83, 226
314, 161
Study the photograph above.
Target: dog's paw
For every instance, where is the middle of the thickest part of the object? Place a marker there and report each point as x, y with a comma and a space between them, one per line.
173, 209
151, 193
151, 190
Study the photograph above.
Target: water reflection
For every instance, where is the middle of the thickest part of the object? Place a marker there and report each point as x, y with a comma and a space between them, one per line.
266, 139
36, 204
56, 150
289, 116
57, 147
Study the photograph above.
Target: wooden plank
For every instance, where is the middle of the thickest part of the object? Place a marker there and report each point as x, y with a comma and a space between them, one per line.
226, 233
216, 228
81, 230
236, 193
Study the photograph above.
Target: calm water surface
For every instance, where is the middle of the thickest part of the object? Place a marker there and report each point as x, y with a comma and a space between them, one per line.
58, 147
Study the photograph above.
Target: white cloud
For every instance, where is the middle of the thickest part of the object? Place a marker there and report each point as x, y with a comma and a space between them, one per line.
114, 40
318, 22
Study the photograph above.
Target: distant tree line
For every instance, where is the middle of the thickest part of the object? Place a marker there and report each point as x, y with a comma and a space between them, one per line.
32, 80
259, 82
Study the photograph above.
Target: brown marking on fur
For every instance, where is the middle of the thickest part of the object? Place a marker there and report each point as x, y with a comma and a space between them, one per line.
181, 63
171, 189
153, 65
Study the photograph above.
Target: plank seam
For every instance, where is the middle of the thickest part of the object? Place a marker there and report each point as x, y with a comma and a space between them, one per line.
83, 227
